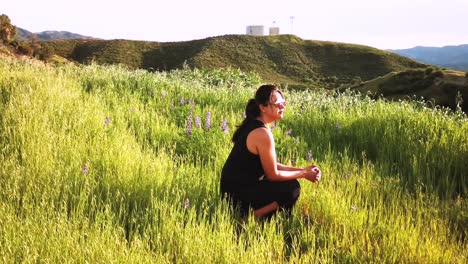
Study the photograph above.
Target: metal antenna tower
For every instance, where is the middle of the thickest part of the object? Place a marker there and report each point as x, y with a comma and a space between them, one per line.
292, 19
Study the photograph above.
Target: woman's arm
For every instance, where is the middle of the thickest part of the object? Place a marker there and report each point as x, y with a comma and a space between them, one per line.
260, 141
287, 168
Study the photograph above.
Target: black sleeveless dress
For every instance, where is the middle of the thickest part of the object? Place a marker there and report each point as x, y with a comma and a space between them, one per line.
243, 181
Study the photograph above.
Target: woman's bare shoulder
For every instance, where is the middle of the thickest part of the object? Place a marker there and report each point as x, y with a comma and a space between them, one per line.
261, 134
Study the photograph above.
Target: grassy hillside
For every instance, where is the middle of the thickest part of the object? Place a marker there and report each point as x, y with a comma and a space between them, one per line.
108, 165
445, 88
283, 59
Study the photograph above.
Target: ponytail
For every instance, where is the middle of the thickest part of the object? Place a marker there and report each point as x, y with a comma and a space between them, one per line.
252, 111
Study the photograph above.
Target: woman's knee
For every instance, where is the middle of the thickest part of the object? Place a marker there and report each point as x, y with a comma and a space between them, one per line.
291, 193
295, 191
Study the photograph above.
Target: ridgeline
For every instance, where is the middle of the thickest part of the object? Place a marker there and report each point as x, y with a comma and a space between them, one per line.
283, 59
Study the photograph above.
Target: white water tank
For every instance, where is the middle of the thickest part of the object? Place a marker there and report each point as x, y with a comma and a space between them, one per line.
274, 31
255, 30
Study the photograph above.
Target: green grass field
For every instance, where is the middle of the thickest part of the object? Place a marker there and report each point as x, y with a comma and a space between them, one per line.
107, 165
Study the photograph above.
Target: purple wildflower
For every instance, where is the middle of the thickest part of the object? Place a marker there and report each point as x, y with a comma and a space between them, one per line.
189, 126
288, 133
208, 121
191, 102
85, 169
107, 120
224, 126
182, 101
186, 203
309, 156
197, 122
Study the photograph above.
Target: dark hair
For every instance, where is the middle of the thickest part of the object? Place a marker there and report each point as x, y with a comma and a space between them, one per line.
252, 110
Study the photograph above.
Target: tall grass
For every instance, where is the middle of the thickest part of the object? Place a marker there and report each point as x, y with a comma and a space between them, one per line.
102, 164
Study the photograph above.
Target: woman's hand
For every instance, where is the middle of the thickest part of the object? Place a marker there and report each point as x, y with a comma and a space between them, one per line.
313, 173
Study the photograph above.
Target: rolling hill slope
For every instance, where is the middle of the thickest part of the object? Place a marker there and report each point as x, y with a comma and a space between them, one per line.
284, 59
445, 88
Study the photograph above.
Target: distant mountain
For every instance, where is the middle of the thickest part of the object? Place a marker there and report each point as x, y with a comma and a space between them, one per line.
454, 57
24, 34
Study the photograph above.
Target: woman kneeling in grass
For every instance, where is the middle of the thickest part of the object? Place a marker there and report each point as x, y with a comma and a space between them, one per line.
251, 176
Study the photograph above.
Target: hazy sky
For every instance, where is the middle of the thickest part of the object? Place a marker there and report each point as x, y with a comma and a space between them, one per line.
384, 24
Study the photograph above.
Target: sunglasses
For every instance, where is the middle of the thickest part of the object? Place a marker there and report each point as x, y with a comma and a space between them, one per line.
278, 104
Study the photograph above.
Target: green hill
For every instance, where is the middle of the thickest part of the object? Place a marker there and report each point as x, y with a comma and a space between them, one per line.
284, 59
442, 87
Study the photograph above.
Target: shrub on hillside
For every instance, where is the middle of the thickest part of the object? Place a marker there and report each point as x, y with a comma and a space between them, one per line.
428, 71
411, 74
437, 74
34, 44
25, 48
420, 85
7, 30
45, 53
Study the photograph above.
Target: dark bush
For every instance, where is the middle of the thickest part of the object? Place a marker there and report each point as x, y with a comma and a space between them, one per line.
45, 53
411, 74
8, 31
420, 85
437, 74
25, 48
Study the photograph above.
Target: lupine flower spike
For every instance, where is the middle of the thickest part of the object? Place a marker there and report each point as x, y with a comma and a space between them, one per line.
85, 169
189, 126
208, 121
224, 126
309, 156
197, 122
